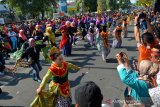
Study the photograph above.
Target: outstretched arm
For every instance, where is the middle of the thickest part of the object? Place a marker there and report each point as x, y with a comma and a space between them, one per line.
73, 67
46, 79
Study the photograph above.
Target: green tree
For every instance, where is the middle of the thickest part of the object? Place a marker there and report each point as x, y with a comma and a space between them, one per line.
87, 5
124, 4
104, 5
33, 7
112, 4
99, 7
90, 5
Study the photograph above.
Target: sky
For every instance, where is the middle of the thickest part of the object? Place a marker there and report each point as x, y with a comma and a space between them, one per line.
133, 1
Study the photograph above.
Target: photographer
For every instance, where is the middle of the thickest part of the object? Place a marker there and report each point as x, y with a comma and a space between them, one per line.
145, 42
137, 83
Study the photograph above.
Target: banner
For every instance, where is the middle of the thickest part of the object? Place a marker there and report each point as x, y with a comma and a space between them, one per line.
63, 5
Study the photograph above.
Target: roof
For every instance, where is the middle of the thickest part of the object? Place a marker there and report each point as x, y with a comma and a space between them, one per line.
4, 8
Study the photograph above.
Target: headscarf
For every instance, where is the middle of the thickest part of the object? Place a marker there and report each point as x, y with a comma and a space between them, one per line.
30, 40
37, 27
73, 24
50, 34
22, 35
67, 23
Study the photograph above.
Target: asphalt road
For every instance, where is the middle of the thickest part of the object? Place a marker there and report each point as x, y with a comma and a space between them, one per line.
20, 91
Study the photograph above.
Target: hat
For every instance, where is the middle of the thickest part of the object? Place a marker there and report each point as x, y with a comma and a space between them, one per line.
88, 94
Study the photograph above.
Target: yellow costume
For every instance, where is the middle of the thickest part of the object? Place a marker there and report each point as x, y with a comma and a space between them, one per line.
50, 35
59, 87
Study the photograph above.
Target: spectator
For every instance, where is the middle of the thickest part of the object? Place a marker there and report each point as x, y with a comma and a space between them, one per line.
2, 62
88, 94
13, 37
137, 83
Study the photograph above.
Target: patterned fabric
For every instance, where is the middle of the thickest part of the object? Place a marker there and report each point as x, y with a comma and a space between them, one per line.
117, 43
46, 55
17, 55
60, 75
64, 101
45, 99
155, 96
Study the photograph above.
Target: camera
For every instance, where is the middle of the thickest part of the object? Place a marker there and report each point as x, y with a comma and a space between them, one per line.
142, 15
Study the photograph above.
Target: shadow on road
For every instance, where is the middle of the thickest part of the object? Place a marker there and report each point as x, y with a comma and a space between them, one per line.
5, 96
130, 31
85, 59
130, 38
77, 81
17, 78
111, 60
130, 48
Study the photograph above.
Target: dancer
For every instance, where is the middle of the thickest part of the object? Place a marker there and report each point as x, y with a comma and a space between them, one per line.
65, 43
117, 42
49, 35
91, 33
105, 49
59, 86
37, 33
22, 37
74, 33
33, 51
124, 28
98, 39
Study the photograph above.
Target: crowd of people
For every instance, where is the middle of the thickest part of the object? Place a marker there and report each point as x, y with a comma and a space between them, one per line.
26, 41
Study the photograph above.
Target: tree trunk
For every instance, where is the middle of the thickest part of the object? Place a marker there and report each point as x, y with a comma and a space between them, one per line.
42, 14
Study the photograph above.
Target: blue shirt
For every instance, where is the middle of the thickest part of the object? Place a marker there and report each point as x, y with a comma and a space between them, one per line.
140, 88
143, 25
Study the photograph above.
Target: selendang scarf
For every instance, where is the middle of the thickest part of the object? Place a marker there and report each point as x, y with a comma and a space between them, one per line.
17, 55
45, 52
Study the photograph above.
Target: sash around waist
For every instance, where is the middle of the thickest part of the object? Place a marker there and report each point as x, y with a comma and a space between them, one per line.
60, 80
